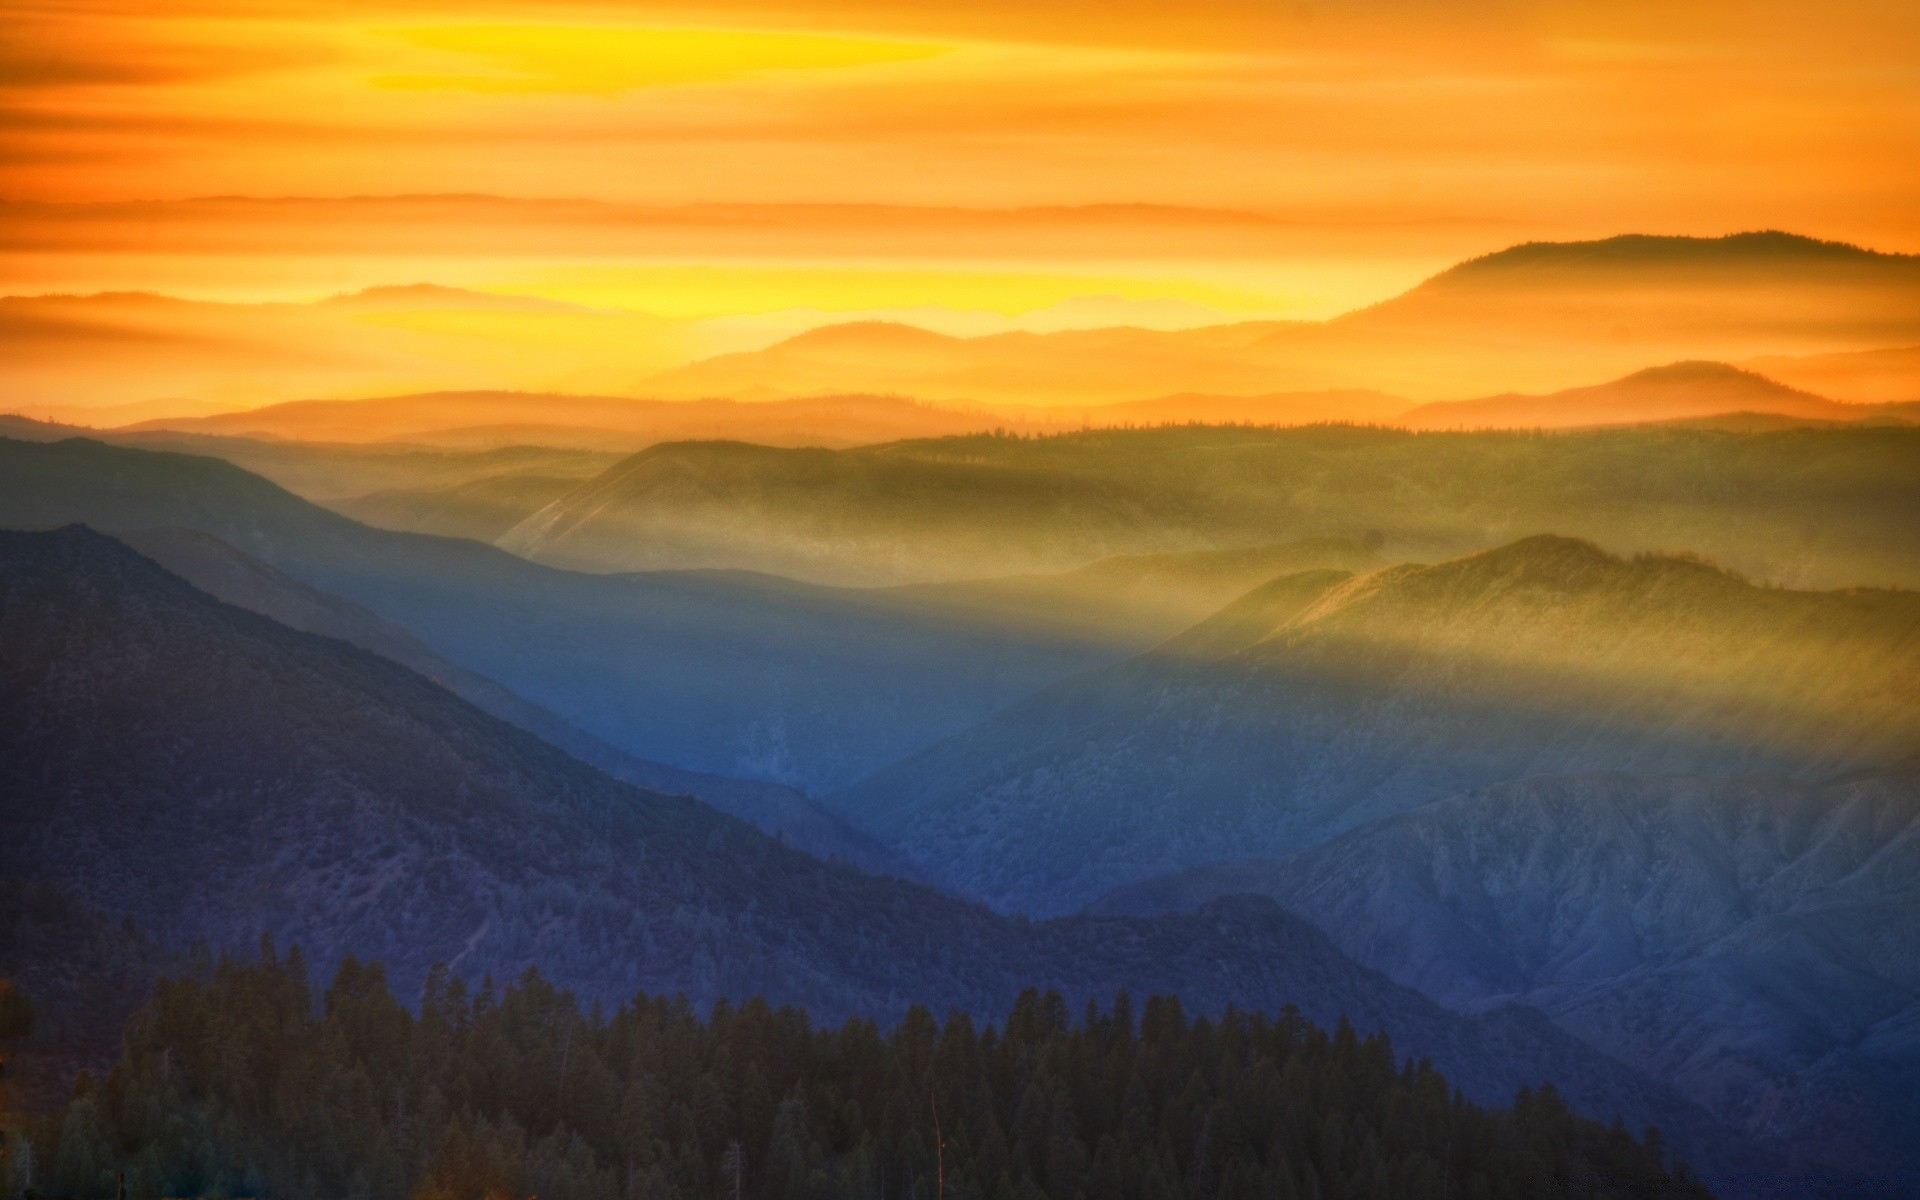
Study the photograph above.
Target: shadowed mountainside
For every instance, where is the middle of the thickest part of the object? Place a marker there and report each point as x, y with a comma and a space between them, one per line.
1755, 941
228, 575
1320, 702
355, 807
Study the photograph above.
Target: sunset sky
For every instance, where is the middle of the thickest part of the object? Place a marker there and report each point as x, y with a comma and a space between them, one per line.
789, 161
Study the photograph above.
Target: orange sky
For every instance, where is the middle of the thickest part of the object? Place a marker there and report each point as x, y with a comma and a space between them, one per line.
1335, 152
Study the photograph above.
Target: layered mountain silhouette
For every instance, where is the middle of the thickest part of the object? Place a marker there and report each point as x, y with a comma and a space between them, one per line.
1755, 941
1320, 702
1810, 507
496, 418
1538, 317
723, 673
115, 348
339, 800
1671, 393
1534, 318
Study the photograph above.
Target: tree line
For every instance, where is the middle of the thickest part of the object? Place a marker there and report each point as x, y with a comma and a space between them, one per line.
238, 1083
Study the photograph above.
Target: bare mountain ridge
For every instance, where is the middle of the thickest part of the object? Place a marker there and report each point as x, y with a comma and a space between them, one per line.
1755, 941
1320, 702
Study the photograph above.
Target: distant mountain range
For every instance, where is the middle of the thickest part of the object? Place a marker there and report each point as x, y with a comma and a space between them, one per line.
211, 773
1755, 941
1675, 392
1322, 701
1536, 318
497, 418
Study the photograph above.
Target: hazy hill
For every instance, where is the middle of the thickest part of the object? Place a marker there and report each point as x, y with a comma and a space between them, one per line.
842, 517
1070, 367
1543, 316
727, 673
1533, 318
337, 472
497, 418
346, 803
1755, 941
482, 509
1320, 702
226, 574
1539, 317
1809, 507
1670, 393
1889, 376
114, 348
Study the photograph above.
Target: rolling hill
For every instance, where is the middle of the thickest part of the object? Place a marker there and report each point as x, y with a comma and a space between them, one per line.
1756, 941
352, 806
1676, 392
478, 419
1321, 702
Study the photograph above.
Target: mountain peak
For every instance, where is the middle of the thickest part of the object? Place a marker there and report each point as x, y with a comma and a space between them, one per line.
1636, 252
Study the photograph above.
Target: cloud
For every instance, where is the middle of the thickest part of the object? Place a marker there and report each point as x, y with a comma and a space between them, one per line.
606, 60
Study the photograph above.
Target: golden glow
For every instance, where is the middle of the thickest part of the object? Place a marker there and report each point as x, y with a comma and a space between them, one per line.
971, 167
607, 60
718, 290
